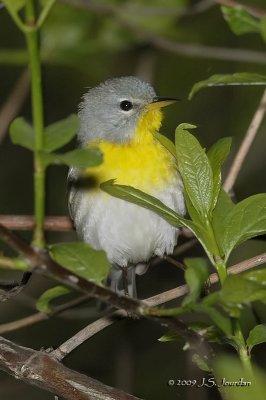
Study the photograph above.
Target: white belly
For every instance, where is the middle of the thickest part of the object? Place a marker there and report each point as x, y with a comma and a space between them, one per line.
128, 233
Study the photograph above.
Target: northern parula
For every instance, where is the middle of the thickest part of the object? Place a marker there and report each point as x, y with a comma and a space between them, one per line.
120, 117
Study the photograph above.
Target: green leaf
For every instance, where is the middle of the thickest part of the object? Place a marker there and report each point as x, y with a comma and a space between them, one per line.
22, 133
145, 200
239, 78
43, 303
240, 21
217, 154
251, 384
60, 133
201, 363
170, 336
81, 259
166, 142
46, 7
246, 220
210, 333
193, 213
256, 336
263, 28
196, 274
196, 172
223, 207
14, 5
198, 228
238, 290
258, 276
81, 158
221, 321
20, 264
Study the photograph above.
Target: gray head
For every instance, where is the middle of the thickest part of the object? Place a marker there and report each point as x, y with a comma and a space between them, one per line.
111, 110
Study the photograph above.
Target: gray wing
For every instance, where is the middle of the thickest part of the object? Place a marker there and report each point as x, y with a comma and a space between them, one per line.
72, 190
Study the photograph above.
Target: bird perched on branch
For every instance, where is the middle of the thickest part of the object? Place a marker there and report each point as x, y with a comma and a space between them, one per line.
120, 117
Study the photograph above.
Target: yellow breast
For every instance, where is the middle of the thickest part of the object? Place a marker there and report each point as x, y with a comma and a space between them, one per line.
143, 162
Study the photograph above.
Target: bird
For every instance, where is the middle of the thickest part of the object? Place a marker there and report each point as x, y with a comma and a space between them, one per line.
120, 116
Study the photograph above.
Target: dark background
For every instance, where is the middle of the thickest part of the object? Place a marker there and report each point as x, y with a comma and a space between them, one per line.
80, 48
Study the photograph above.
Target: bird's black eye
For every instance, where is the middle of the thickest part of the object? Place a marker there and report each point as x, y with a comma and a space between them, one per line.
126, 105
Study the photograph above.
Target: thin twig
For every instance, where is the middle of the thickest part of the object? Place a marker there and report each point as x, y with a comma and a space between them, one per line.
12, 289
6, 262
245, 145
256, 12
39, 316
26, 223
14, 102
23, 322
209, 52
145, 67
40, 261
186, 49
92, 329
55, 223
182, 248
102, 7
174, 262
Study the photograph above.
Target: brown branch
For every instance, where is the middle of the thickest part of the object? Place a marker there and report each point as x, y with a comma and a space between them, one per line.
97, 326
41, 370
39, 316
147, 11
54, 223
14, 102
12, 289
7, 262
245, 145
174, 262
186, 49
26, 223
209, 52
256, 12
41, 262
213, 278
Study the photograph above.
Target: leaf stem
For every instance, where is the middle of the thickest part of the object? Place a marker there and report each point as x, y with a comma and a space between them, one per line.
45, 13
242, 349
218, 260
221, 269
15, 17
37, 112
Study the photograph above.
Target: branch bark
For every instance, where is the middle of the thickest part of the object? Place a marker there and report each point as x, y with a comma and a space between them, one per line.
97, 326
256, 12
246, 144
26, 223
186, 49
41, 370
14, 102
40, 261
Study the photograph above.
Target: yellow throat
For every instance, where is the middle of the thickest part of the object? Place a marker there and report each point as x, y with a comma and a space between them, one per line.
142, 163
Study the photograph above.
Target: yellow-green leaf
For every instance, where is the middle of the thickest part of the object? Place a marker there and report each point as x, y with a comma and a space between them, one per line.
81, 259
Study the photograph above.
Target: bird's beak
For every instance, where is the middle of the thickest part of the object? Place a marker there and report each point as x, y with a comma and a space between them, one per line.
159, 102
